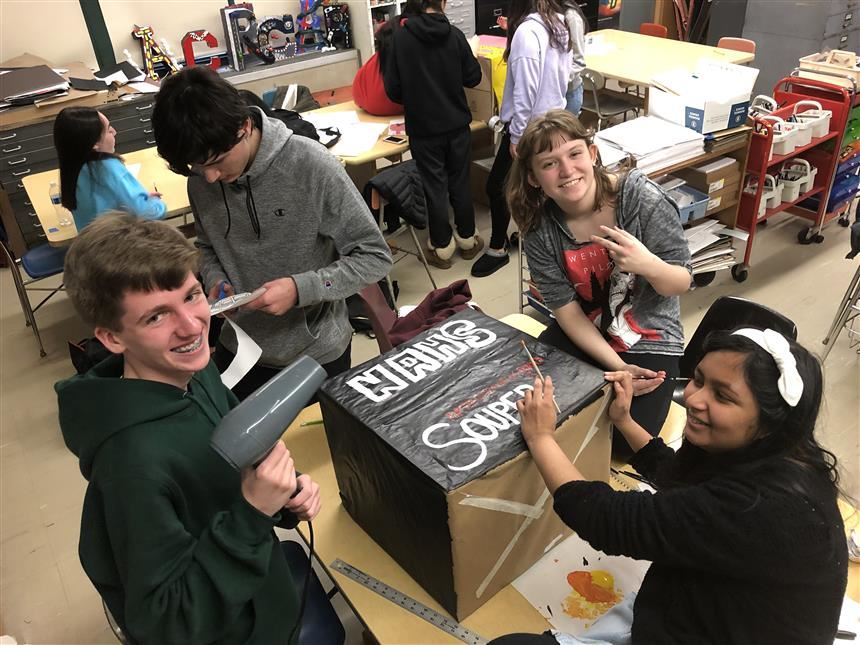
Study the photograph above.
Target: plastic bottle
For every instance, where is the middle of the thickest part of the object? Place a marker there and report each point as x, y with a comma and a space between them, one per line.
64, 218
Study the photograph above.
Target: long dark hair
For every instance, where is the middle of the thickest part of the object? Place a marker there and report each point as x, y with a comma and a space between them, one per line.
384, 36
549, 10
785, 450
574, 6
76, 131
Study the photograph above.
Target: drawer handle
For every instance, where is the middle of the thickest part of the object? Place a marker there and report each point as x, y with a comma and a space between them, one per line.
28, 203
42, 234
148, 131
20, 185
36, 224
150, 141
21, 173
145, 120
15, 149
19, 161
143, 107
31, 214
9, 136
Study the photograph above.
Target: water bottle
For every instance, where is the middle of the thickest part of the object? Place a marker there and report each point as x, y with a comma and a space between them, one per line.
64, 218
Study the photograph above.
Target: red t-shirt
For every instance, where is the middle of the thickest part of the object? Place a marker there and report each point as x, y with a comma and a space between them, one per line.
368, 90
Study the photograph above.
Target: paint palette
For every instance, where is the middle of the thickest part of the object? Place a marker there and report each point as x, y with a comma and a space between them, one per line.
235, 301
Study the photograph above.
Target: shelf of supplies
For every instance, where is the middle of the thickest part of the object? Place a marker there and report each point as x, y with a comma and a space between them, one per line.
697, 161
392, 3
778, 159
770, 212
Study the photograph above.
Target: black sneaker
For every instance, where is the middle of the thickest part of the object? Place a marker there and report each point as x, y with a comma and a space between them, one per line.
488, 264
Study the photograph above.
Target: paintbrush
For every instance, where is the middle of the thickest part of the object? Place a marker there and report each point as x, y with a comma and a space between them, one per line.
537, 369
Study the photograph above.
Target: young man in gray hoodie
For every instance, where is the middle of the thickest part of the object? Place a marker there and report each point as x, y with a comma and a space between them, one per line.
271, 210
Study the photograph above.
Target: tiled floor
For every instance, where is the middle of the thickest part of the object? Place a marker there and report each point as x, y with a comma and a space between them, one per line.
46, 598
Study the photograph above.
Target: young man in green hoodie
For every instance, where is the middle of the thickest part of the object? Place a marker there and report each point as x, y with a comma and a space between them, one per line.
271, 210
179, 545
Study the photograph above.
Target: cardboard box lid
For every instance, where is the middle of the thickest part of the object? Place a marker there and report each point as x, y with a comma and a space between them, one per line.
712, 81
446, 400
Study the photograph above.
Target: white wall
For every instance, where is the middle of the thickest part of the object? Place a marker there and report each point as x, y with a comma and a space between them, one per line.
55, 29
52, 29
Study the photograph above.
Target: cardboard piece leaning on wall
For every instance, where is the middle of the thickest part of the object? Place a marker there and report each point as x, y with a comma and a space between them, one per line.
430, 462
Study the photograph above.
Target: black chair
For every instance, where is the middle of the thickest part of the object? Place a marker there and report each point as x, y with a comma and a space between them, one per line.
604, 104
728, 312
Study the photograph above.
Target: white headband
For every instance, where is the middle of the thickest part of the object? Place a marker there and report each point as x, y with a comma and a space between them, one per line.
790, 384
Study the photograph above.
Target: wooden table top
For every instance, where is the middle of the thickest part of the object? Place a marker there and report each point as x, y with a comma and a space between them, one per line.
633, 58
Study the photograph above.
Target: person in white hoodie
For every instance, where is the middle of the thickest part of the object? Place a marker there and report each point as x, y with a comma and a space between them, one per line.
539, 62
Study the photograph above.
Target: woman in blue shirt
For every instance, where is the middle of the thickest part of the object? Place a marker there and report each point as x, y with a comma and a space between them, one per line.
93, 179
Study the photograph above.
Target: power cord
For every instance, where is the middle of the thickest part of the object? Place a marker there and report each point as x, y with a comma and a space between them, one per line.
306, 584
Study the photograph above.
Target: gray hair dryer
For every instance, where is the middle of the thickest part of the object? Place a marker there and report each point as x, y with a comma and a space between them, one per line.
249, 431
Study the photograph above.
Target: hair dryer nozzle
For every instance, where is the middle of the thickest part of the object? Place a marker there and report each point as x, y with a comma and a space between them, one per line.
249, 431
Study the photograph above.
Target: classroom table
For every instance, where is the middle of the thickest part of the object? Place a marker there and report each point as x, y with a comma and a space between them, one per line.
362, 167
153, 173
636, 59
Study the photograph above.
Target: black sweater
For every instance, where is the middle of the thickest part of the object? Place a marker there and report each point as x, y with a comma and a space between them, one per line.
430, 65
735, 559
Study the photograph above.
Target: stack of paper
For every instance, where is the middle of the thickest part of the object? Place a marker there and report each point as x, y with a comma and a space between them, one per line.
25, 85
711, 245
653, 142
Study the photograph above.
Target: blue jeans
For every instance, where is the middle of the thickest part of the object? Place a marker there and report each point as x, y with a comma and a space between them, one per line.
574, 100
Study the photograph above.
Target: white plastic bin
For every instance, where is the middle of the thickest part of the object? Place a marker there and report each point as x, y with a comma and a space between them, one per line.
796, 176
817, 120
784, 135
762, 105
771, 195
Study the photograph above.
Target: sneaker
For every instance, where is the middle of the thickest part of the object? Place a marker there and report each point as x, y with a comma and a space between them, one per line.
433, 259
488, 264
477, 247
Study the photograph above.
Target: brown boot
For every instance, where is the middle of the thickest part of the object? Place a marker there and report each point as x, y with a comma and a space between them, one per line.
469, 246
440, 257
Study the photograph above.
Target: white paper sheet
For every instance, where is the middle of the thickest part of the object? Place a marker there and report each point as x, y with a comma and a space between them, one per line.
144, 88
849, 619
134, 169
545, 584
358, 138
247, 354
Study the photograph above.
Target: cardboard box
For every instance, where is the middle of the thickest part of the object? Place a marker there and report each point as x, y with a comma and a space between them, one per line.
713, 175
479, 171
480, 97
715, 97
430, 462
719, 198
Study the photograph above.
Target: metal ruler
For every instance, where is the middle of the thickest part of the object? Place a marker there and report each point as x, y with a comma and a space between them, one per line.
447, 625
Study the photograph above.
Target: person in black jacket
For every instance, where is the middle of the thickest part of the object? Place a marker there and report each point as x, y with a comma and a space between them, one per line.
744, 534
426, 72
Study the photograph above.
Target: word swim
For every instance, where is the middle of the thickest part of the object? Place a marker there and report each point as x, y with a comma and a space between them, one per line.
453, 339
482, 426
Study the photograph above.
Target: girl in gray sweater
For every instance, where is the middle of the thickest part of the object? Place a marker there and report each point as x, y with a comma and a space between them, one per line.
608, 255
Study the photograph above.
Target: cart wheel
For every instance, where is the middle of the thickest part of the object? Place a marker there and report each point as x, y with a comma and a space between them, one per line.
704, 279
740, 272
844, 221
803, 235
761, 223
818, 238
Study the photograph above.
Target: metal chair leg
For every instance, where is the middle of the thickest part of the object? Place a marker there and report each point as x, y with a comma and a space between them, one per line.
27, 308
849, 301
421, 255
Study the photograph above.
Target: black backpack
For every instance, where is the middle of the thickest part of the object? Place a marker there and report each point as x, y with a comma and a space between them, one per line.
295, 122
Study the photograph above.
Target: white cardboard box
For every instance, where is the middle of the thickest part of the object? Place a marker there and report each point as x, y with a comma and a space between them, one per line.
715, 97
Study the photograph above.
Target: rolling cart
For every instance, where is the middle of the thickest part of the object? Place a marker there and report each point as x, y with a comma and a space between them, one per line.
774, 143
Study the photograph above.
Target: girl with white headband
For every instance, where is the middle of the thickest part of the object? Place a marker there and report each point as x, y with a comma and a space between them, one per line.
746, 542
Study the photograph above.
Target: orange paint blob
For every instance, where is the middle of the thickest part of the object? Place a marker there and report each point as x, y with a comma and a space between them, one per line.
584, 584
